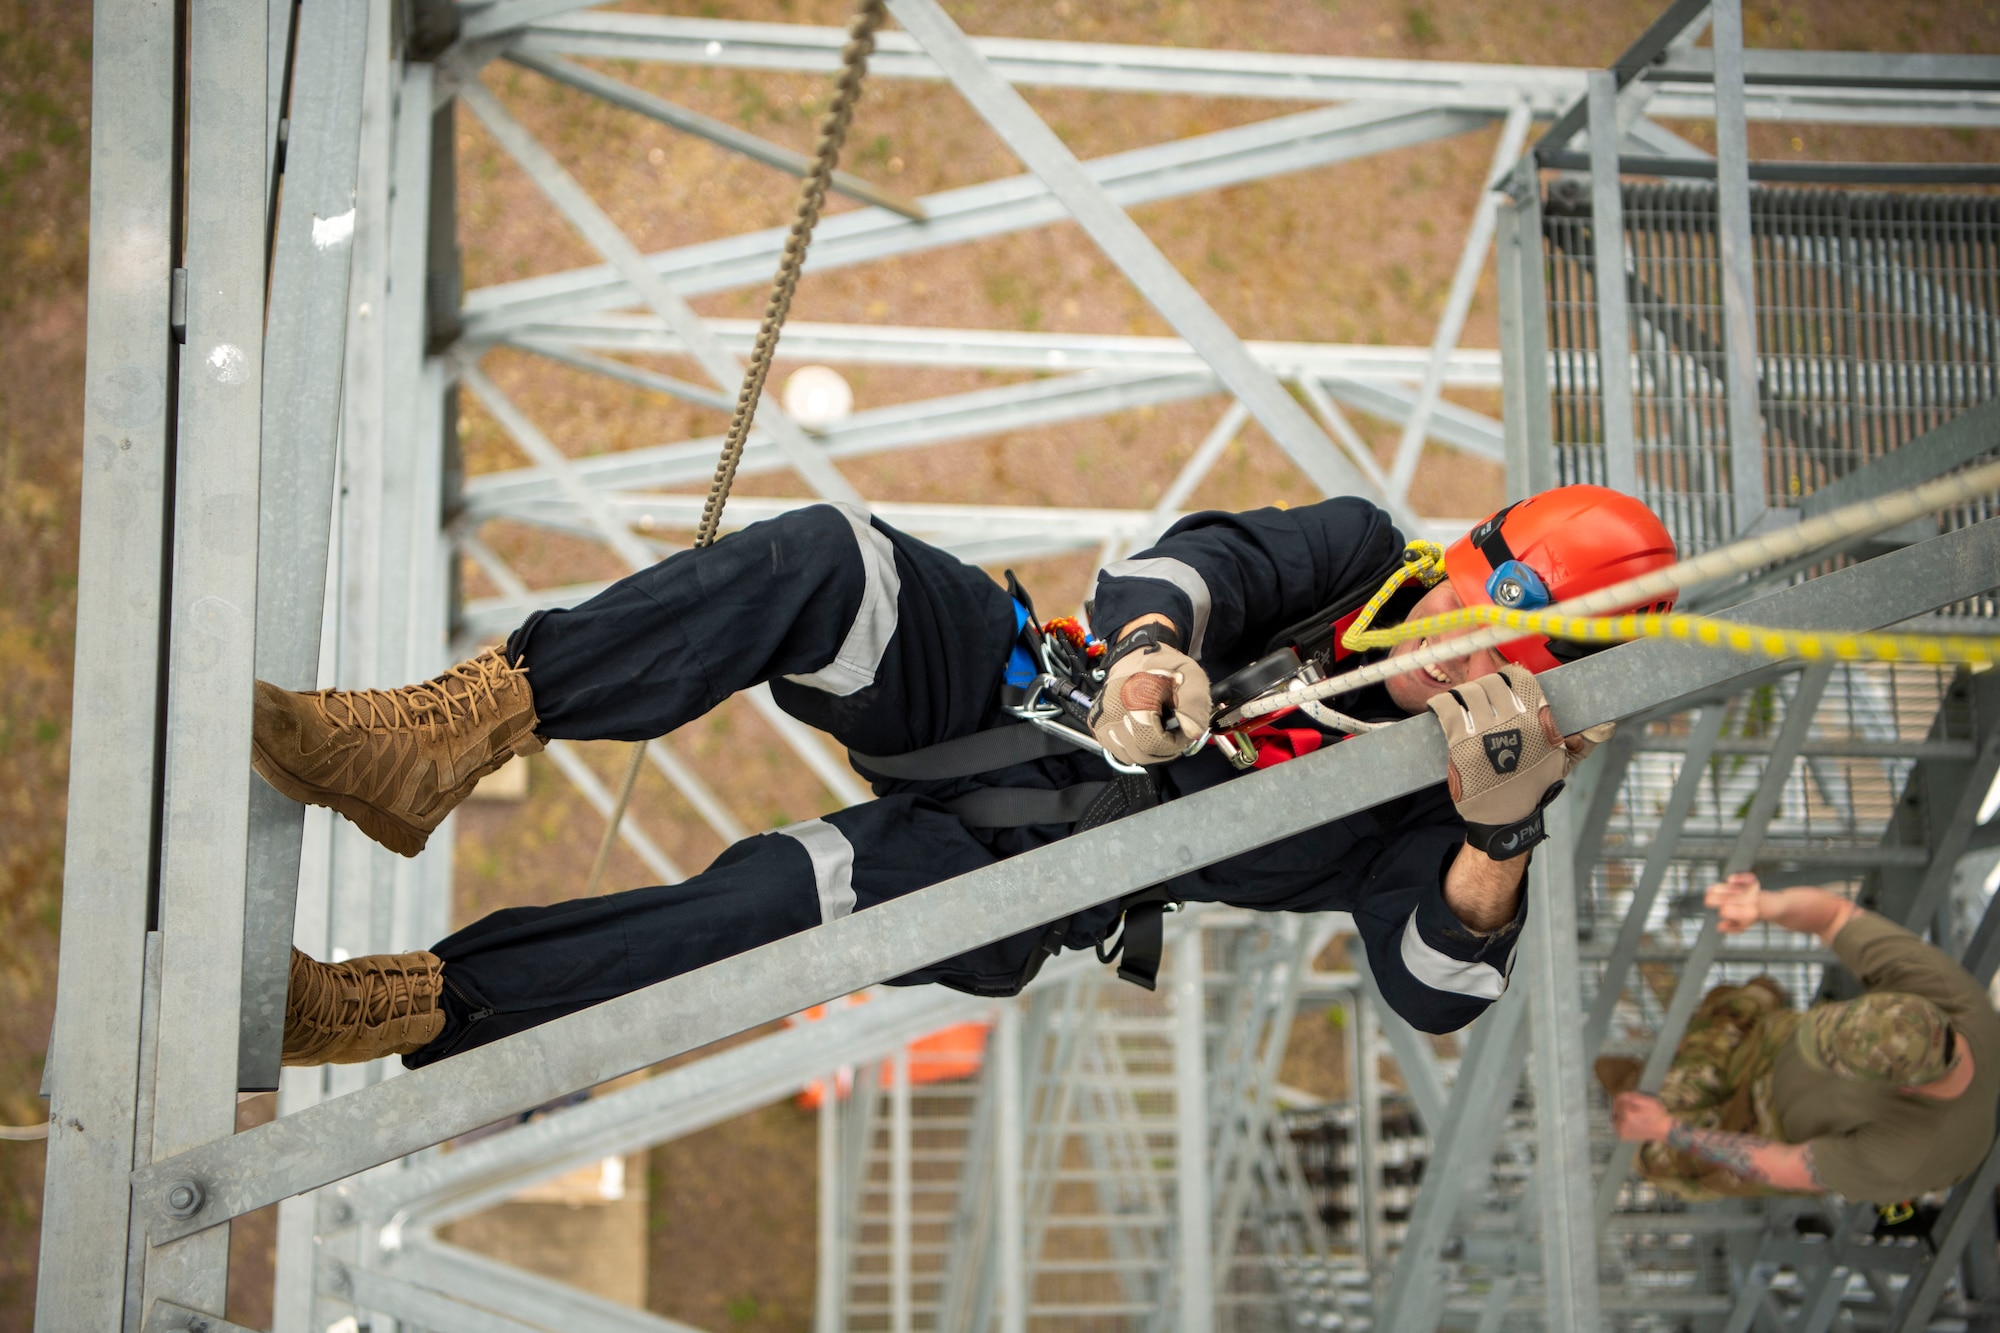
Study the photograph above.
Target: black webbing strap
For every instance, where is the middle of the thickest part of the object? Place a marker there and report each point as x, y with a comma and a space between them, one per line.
1140, 944
1492, 543
1143, 938
969, 756
1016, 807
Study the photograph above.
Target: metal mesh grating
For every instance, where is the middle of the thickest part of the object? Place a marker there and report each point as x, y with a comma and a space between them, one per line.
1872, 725
1878, 319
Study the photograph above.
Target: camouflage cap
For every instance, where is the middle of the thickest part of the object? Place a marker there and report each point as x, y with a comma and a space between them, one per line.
1885, 1037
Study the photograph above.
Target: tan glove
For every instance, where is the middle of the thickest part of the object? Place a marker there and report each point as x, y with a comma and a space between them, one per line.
1135, 733
1508, 761
1581, 744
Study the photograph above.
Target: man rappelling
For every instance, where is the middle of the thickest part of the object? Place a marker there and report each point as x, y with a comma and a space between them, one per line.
985, 734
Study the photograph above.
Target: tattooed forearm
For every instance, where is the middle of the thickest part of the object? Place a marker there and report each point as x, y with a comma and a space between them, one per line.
1736, 1152
1787, 1167
1812, 1170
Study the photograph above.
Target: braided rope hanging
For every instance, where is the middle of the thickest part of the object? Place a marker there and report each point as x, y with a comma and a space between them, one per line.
861, 29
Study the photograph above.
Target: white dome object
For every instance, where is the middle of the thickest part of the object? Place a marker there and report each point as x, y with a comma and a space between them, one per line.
818, 396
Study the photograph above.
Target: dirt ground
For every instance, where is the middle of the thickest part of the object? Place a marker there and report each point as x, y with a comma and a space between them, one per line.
1359, 252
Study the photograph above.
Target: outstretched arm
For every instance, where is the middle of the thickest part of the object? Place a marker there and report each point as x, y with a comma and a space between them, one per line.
1741, 902
1642, 1118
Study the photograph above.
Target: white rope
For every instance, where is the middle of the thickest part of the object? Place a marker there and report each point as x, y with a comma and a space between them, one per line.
1741, 557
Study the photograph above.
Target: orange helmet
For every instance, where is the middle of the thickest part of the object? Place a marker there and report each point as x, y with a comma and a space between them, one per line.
1554, 546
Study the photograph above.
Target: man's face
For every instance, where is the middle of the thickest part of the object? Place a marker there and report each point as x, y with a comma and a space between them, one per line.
1414, 689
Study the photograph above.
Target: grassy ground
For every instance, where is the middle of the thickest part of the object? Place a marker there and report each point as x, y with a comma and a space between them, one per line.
44, 179
1358, 252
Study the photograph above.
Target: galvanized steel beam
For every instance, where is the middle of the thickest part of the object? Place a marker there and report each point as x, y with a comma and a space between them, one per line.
1009, 349
1496, 1045
127, 448
1736, 262
171, 1317
301, 430
1524, 337
1193, 1206
1414, 1056
905, 426
603, 235
715, 131
1162, 171
1458, 300
204, 825
1614, 325
447, 1289
1659, 854
1965, 437
1097, 65
1127, 246
1561, 1077
1288, 76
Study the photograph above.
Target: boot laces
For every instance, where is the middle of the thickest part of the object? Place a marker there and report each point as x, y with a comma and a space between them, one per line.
437, 702
383, 989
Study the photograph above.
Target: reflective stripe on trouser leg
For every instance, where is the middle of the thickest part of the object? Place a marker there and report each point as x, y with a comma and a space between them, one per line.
1182, 575
833, 865
1440, 971
853, 668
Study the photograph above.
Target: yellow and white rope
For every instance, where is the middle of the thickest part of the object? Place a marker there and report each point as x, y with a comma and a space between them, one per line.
1767, 640
1582, 618
1422, 561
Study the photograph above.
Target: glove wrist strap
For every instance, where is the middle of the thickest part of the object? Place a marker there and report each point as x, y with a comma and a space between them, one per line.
1504, 842
1145, 637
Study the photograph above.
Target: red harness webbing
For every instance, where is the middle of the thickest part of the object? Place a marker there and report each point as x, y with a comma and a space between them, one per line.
1276, 744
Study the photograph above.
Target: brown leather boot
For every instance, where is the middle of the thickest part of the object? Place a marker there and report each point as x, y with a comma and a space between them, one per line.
395, 761
1619, 1073
362, 1009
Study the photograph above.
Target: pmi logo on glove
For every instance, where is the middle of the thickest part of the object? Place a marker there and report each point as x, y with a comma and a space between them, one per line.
1503, 750
1508, 843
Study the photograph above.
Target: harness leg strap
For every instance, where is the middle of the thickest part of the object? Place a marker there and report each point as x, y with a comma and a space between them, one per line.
1140, 944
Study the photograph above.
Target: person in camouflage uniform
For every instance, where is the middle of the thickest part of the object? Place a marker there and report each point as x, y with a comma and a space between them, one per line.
1713, 1084
1881, 1097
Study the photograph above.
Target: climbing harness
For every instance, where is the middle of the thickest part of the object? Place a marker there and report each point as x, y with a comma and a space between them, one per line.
1582, 619
869, 16
1057, 697
1052, 677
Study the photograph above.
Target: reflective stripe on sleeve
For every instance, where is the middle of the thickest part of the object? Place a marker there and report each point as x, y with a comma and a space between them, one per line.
853, 668
833, 865
1440, 971
1179, 573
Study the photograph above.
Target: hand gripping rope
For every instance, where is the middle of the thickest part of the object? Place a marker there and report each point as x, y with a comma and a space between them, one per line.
861, 30
1580, 619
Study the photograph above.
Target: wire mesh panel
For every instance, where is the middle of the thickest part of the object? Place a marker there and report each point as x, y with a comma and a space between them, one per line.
1878, 317
1871, 727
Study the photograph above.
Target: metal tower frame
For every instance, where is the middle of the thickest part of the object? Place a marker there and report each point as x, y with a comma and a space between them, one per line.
257, 506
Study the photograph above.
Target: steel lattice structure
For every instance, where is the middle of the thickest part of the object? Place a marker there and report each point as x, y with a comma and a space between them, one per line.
257, 505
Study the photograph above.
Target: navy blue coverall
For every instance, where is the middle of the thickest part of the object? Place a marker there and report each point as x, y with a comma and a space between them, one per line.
891, 645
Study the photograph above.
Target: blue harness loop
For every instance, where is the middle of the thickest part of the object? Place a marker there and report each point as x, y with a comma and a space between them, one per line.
1022, 668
